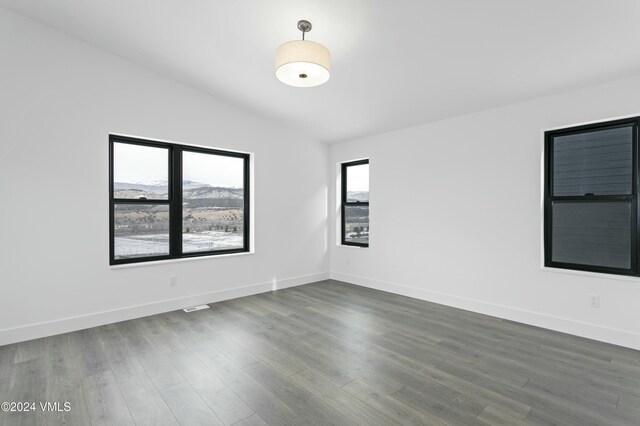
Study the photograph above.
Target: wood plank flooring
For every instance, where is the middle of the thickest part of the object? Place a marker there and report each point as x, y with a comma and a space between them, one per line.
327, 353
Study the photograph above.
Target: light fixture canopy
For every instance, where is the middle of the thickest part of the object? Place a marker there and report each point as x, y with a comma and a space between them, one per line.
303, 63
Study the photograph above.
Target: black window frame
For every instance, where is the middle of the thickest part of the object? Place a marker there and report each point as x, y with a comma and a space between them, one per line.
345, 203
174, 199
550, 198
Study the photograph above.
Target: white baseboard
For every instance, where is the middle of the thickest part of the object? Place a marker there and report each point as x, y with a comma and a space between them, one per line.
65, 325
591, 331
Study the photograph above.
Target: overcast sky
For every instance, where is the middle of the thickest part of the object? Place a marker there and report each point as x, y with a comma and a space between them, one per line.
216, 170
358, 178
143, 164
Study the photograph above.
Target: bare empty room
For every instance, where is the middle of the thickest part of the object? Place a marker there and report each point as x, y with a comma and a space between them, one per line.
319, 212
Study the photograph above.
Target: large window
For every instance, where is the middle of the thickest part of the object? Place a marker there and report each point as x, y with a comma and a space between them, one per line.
355, 203
171, 201
591, 198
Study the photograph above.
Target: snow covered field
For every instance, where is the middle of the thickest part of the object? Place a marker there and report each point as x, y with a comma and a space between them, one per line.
212, 240
158, 244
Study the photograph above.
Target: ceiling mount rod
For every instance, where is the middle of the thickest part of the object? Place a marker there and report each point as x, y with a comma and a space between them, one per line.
304, 26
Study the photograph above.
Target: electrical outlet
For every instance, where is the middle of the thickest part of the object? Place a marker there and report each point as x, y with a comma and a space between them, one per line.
173, 281
595, 301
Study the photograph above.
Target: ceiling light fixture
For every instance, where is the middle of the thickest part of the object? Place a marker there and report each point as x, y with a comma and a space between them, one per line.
303, 63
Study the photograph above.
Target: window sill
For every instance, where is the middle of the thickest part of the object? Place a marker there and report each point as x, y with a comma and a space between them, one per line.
591, 274
352, 247
184, 259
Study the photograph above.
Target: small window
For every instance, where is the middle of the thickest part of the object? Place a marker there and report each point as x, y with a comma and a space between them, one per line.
591, 198
355, 203
172, 201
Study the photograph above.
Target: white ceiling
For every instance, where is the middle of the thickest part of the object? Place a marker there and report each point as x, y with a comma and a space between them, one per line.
396, 63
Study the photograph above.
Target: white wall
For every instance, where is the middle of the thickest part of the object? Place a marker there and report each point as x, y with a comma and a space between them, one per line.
456, 217
59, 100
475, 241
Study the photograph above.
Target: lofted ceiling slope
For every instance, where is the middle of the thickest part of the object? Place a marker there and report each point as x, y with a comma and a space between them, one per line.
395, 63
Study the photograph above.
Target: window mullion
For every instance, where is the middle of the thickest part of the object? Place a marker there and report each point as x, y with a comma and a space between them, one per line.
140, 201
175, 197
343, 199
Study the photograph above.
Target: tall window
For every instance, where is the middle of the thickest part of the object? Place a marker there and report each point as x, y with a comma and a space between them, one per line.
355, 203
172, 201
591, 197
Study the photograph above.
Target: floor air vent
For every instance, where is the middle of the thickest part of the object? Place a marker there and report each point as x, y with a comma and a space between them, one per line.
196, 308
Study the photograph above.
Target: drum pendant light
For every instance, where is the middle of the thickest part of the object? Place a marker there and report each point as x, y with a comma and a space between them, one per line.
303, 63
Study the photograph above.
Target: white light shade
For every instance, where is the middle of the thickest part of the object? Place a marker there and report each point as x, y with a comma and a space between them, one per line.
303, 63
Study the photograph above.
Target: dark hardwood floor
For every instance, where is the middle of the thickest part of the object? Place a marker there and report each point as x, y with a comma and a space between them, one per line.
321, 354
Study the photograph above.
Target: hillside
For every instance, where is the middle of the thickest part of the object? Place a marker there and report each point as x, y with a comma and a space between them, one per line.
357, 196
195, 195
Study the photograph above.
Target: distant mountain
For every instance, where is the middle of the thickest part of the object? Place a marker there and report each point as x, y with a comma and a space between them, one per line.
213, 192
195, 194
131, 193
355, 196
157, 187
